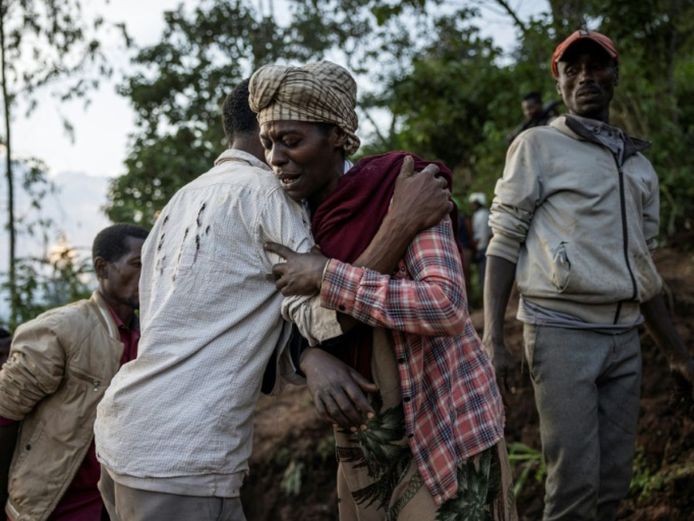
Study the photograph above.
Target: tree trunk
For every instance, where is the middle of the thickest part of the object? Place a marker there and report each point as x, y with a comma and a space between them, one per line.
11, 227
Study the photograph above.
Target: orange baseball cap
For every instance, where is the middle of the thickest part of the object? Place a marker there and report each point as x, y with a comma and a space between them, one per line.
576, 36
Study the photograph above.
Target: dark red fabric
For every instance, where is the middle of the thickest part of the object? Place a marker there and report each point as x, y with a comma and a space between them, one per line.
346, 222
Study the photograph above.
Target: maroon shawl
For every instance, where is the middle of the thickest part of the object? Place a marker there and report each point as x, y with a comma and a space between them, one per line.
344, 224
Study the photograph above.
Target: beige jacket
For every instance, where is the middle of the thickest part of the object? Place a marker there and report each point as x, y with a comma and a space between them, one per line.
59, 367
578, 222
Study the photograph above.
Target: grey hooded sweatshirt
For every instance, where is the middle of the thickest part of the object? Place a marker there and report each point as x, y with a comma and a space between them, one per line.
577, 210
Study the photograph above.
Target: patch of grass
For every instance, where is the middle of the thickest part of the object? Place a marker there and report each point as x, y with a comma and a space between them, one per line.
648, 478
527, 464
326, 447
282, 457
645, 479
293, 477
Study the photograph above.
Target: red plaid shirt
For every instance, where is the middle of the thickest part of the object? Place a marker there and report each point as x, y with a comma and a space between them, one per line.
453, 408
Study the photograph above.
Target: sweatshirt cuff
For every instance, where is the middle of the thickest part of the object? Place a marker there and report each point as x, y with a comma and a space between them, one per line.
504, 247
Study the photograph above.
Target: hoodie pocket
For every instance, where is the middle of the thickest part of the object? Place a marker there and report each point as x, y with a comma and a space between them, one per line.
561, 267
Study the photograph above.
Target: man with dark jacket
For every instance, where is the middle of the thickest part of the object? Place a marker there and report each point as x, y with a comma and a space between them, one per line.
535, 114
59, 367
574, 218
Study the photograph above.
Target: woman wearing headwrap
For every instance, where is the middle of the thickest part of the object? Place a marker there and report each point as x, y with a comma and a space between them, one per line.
434, 447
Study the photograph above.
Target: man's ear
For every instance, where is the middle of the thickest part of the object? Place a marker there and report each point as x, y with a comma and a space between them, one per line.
101, 268
556, 86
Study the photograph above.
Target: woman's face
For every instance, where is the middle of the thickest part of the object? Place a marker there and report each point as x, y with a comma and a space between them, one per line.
306, 157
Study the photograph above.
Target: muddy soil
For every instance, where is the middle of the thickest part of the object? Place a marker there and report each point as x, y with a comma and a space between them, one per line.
293, 465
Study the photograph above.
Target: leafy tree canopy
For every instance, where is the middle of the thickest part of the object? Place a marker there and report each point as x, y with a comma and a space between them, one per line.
429, 83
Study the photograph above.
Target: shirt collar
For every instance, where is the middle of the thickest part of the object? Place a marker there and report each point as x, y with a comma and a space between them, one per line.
134, 323
613, 138
235, 154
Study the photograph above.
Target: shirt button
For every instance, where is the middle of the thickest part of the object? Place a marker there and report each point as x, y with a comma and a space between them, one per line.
401, 360
406, 399
410, 435
341, 307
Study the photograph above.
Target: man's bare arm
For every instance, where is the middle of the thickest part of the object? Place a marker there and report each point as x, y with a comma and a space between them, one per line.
498, 282
661, 328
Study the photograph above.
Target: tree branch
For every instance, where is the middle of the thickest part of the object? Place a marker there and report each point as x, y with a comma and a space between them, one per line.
509, 10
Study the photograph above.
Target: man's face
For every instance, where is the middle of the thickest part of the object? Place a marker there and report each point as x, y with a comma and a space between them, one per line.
531, 108
306, 158
119, 280
587, 77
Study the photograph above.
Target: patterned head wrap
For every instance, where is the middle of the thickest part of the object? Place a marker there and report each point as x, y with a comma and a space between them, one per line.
319, 92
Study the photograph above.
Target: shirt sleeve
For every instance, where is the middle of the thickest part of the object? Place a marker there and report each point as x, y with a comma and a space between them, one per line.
516, 196
432, 302
285, 222
34, 370
315, 323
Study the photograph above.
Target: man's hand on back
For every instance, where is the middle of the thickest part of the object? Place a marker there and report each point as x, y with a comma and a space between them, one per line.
420, 200
301, 273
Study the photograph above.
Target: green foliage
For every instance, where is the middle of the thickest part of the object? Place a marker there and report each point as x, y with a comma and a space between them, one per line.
384, 452
292, 478
479, 480
326, 447
179, 86
645, 479
651, 477
47, 40
430, 83
527, 464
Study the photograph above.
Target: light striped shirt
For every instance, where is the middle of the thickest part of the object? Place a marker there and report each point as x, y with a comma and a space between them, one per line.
179, 418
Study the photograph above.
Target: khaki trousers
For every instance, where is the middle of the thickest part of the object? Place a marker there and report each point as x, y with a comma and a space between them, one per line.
130, 504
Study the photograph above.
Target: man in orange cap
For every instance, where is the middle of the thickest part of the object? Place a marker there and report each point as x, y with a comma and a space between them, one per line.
574, 221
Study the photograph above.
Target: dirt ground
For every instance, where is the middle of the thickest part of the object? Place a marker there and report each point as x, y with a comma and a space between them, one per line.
293, 465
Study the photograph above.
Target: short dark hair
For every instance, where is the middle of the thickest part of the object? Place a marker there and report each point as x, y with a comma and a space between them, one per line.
110, 243
237, 116
534, 95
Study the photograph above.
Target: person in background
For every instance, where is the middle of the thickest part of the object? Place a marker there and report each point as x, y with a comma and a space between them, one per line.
467, 248
575, 219
481, 232
60, 364
535, 114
